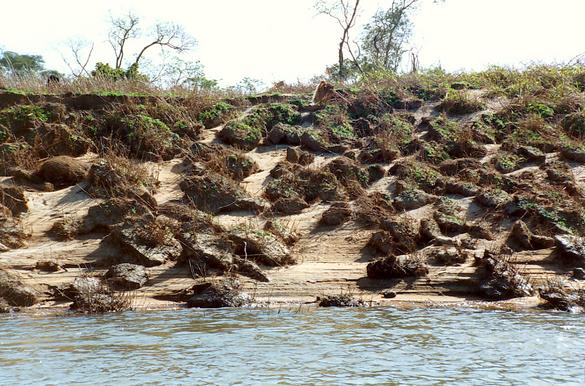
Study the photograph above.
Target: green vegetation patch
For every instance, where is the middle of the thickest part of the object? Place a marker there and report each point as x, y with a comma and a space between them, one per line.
540, 109
22, 116
335, 120
508, 162
434, 152
216, 114
397, 127
549, 215
144, 135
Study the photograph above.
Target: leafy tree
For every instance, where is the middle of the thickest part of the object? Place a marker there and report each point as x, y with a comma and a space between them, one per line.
182, 73
105, 71
249, 85
385, 36
20, 63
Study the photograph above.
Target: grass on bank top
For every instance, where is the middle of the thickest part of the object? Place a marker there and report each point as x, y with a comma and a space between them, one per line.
550, 84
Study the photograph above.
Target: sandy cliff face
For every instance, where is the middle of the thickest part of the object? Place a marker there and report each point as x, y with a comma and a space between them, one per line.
440, 201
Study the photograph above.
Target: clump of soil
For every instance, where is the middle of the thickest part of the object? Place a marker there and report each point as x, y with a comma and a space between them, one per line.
247, 132
393, 267
96, 297
215, 193
306, 184
62, 171
226, 293
284, 231
373, 208
117, 176
126, 276
338, 213
560, 296
522, 238
260, 246
146, 241
297, 156
500, 279
341, 300
14, 291
13, 198
207, 247
106, 214
228, 162
12, 233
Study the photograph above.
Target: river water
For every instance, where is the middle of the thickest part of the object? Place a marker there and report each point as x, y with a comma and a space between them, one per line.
322, 346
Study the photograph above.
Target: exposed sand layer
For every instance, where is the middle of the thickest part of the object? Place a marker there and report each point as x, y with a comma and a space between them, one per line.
331, 260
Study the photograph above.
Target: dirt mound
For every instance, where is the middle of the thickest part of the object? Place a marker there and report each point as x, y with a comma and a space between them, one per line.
13, 198
342, 300
227, 293
392, 267
214, 193
501, 280
146, 241
14, 291
337, 214
62, 171
12, 233
116, 176
126, 276
207, 247
95, 297
260, 246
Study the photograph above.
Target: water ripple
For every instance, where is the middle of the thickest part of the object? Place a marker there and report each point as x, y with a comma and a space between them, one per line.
373, 346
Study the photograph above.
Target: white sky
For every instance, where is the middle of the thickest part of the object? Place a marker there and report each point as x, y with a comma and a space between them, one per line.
284, 39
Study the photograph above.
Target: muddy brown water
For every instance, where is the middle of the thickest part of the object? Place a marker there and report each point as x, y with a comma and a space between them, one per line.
322, 346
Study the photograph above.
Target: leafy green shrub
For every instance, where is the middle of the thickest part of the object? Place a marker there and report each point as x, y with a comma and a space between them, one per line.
434, 152
335, 120
400, 129
21, 116
242, 134
105, 71
216, 115
508, 162
343, 131
248, 131
281, 113
540, 109
3, 133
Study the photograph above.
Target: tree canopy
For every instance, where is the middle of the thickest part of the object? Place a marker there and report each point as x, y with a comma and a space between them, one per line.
14, 62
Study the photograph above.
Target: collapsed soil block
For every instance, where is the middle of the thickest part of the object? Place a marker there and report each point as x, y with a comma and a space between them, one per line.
126, 276
393, 267
62, 171
342, 300
13, 198
500, 279
214, 193
227, 293
148, 242
14, 291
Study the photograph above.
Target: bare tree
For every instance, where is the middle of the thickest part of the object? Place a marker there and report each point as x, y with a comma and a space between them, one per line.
123, 29
163, 35
168, 35
345, 12
81, 52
